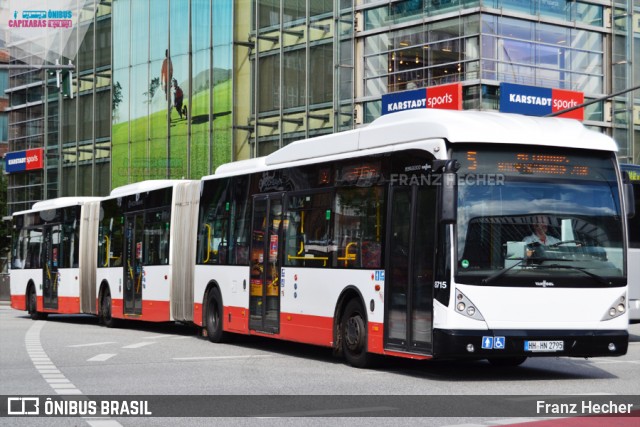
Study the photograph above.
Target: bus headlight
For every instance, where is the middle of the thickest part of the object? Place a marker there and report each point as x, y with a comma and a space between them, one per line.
618, 308
465, 307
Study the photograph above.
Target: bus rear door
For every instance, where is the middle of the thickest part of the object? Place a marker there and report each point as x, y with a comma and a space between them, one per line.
132, 294
51, 262
264, 296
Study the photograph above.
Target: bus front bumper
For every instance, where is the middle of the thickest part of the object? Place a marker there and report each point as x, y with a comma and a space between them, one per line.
530, 343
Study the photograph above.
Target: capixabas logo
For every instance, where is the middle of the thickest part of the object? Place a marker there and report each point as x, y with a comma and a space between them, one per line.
41, 18
23, 406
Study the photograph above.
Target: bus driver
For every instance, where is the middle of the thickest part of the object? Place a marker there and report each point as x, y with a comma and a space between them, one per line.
539, 234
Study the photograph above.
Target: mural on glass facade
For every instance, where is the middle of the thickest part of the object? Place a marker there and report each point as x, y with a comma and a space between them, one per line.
172, 88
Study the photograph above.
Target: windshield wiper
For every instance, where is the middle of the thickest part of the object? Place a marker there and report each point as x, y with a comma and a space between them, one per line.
498, 274
598, 278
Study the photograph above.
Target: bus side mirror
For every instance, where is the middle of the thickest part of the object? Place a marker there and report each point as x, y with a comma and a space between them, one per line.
448, 190
629, 198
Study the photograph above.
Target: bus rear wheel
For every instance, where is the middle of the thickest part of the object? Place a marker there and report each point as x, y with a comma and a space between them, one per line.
213, 317
354, 336
33, 306
106, 310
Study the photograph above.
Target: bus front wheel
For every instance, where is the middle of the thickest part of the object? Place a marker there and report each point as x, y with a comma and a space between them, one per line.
33, 306
354, 336
213, 317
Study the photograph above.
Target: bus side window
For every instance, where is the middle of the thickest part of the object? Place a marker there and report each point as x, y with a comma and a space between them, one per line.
359, 219
156, 238
308, 234
34, 249
117, 235
20, 254
240, 222
110, 236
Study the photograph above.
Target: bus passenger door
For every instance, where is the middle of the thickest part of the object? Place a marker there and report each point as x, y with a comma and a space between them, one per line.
133, 228
409, 275
264, 295
50, 263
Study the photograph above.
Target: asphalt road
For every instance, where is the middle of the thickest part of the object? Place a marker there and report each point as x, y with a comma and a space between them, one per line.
73, 355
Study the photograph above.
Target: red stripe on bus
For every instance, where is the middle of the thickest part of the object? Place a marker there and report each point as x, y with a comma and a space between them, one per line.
306, 328
152, 311
19, 302
375, 342
236, 319
197, 313
302, 328
66, 305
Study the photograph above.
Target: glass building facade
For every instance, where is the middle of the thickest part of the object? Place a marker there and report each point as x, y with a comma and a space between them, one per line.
322, 67
192, 84
71, 125
172, 88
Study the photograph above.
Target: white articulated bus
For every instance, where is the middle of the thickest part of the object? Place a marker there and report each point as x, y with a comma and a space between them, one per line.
146, 248
633, 254
412, 237
426, 234
53, 252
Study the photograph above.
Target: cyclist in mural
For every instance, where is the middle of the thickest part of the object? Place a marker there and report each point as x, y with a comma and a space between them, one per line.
178, 97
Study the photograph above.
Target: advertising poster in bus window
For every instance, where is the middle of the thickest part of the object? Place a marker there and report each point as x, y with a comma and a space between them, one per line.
273, 248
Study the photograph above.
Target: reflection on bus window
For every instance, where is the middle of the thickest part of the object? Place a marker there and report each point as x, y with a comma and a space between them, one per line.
309, 238
110, 236
359, 216
224, 223
156, 238
33, 248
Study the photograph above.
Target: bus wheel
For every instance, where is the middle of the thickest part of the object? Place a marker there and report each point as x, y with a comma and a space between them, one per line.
354, 336
105, 310
505, 362
213, 317
33, 306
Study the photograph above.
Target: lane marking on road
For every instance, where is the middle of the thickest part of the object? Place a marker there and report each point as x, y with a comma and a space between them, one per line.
103, 423
38, 356
101, 357
91, 344
157, 336
248, 356
50, 373
139, 344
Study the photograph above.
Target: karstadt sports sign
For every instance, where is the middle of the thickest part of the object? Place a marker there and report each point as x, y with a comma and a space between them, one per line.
446, 97
539, 101
28, 160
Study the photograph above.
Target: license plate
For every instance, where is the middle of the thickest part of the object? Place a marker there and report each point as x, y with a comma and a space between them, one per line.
543, 345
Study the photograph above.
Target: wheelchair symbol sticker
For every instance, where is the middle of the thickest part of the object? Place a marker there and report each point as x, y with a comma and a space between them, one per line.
498, 343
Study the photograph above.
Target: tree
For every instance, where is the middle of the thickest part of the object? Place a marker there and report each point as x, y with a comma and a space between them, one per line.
117, 97
153, 86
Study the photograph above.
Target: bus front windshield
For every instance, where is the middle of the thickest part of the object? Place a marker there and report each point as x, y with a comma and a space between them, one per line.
529, 216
